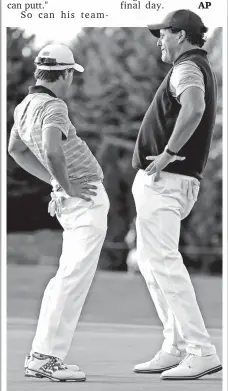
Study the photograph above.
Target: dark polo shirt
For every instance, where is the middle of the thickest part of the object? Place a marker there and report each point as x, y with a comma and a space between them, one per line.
160, 119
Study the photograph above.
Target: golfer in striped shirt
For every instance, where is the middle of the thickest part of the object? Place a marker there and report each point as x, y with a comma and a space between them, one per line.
44, 142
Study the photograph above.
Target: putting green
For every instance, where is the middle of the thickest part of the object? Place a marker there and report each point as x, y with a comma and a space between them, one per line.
107, 354
118, 328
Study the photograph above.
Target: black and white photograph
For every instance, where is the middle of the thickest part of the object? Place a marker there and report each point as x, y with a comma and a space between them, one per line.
114, 210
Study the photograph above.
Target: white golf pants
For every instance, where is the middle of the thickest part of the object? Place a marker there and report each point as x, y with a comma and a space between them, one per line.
160, 208
85, 226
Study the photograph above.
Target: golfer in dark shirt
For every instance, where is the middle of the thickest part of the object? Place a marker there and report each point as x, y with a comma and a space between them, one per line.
170, 155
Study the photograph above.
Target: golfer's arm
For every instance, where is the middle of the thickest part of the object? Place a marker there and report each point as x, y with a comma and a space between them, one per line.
54, 156
25, 158
191, 112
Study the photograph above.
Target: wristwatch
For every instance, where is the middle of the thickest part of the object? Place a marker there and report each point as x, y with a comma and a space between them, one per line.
169, 151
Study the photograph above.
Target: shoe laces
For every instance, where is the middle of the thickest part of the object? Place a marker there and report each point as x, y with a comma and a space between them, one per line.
54, 364
61, 363
187, 360
158, 355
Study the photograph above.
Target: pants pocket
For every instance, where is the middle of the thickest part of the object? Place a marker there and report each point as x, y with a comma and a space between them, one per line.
190, 190
158, 187
77, 212
196, 188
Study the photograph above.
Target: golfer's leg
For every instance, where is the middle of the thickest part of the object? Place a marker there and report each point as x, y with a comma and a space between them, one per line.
172, 339
146, 202
162, 226
66, 293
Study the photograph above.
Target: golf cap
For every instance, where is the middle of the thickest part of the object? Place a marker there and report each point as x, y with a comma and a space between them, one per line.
180, 19
56, 57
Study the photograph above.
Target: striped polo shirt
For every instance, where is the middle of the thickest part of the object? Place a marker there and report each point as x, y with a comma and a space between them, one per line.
41, 109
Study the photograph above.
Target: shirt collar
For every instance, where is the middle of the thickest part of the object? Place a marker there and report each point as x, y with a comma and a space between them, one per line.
41, 89
200, 51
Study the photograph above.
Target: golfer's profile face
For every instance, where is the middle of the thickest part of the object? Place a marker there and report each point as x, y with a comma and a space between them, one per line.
168, 45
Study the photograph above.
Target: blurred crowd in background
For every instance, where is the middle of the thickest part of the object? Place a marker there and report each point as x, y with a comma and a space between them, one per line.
107, 103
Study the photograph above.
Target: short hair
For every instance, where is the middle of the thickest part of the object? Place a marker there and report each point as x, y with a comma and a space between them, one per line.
50, 76
193, 38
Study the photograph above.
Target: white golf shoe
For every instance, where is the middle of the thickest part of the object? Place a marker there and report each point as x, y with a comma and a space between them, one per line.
41, 366
193, 367
161, 361
72, 367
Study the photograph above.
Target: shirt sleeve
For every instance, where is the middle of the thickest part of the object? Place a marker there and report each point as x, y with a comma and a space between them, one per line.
186, 74
56, 115
14, 131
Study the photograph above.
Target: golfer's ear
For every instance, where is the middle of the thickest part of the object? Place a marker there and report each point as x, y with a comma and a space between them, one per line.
182, 36
66, 72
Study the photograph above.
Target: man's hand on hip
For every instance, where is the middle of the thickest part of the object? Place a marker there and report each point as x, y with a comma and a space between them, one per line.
160, 162
82, 190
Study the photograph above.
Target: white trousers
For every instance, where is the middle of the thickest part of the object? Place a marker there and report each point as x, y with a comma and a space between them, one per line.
85, 226
160, 208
